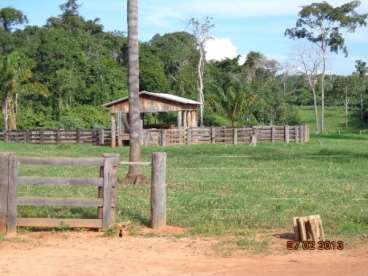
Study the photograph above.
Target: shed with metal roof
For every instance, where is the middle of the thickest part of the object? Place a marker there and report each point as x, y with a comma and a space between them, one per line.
186, 109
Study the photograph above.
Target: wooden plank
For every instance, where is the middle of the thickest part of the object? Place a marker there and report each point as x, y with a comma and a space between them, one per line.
62, 161
46, 223
158, 190
136, 163
12, 195
4, 178
59, 181
70, 202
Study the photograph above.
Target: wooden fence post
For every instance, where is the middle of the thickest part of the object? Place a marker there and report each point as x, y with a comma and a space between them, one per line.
108, 184
287, 134
235, 136
101, 136
163, 138
297, 134
189, 138
78, 136
4, 177
8, 205
273, 133
213, 135
6, 136
158, 190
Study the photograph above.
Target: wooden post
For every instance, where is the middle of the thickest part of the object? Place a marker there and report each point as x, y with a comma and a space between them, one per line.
235, 136
297, 134
287, 134
109, 177
180, 120
4, 186
28, 137
6, 136
273, 134
101, 136
189, 138
41, 136
12, 195
58, 136
8, 205
158, 190
78, 136
113, 131
306, 133
163, 137
213, 135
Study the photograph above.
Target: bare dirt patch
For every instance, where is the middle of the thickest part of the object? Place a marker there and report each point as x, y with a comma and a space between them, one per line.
88, 253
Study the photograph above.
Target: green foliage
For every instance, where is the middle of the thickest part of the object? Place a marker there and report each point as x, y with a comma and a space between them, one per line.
10, 17
85, 117
71, 65
322, 24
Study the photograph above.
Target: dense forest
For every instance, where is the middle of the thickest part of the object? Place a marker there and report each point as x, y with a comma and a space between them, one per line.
60, 74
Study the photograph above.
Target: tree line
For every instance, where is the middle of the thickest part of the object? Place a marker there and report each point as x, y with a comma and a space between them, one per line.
59, 75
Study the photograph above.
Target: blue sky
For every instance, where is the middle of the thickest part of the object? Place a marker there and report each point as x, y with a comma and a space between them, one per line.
241, 25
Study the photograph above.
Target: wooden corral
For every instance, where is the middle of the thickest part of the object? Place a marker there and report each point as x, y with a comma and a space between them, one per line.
186, 109
164, 137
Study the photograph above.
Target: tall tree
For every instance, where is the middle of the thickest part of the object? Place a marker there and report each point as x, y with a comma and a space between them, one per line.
310, 63
70, 8
10, 17
201, 31
362, 70
323, 25
133, 88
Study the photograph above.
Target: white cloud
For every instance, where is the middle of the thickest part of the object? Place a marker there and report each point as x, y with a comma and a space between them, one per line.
233, 9
220, 49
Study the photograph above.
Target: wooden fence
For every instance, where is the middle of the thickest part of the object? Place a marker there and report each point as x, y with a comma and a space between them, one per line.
106, 189
216, 135
164, 137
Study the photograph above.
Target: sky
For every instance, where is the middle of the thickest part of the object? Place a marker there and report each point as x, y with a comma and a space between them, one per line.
240, 25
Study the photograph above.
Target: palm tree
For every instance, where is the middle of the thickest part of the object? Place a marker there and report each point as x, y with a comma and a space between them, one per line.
133, 87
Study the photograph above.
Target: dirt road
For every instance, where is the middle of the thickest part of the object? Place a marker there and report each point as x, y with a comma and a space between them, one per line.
89, 253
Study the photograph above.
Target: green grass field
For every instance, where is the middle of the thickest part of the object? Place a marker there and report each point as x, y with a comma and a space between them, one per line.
335, 120
232, 190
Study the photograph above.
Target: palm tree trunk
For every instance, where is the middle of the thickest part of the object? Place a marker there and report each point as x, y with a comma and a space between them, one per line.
133, 87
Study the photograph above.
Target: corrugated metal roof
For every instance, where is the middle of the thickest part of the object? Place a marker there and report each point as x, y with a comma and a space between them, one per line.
158, 95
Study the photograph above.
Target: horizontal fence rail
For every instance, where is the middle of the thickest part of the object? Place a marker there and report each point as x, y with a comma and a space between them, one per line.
161, 137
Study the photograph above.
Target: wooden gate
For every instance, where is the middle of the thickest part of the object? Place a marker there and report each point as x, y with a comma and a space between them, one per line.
106, 192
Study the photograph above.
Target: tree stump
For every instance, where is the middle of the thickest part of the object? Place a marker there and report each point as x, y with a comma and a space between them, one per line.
308, 228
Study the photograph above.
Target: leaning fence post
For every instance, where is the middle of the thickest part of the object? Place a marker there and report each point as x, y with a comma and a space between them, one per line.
158, 190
